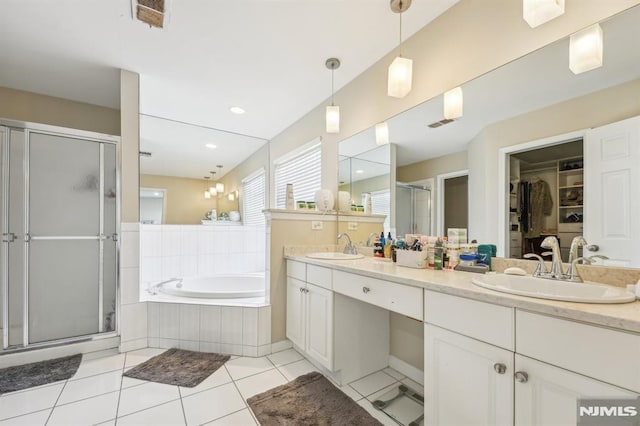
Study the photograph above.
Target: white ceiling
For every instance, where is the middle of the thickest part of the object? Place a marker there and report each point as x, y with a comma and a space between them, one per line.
535, 81
266, 56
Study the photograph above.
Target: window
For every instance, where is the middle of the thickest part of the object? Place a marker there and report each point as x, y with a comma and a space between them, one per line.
381, 204
253, 198
303, 170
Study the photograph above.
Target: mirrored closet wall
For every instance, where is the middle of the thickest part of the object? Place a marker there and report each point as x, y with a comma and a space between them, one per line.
59, 225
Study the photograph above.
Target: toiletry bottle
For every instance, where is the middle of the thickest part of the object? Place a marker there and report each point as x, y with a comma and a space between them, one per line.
387, 246
378, 250
438, 255
382, 241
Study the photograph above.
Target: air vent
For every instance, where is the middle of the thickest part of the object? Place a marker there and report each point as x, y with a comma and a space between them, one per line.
145, 154
440, 123
151, 12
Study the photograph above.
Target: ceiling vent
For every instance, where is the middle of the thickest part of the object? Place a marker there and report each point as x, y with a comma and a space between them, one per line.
440, 123
151, 12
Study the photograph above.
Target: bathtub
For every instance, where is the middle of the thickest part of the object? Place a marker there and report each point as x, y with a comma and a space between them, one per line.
227, 286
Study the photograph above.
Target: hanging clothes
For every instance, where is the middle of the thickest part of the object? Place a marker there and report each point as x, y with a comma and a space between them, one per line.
541, 205
524, 206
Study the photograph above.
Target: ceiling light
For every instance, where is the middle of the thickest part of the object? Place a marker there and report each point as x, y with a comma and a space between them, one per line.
231, 196
237, 110
207, 194
453, 103
213, 190
359, 172
382, 133
211, 146
220, 187
332, 119
537, 12
586, 49
401, 69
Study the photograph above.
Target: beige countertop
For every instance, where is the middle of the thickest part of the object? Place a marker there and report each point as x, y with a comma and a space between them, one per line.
625, 316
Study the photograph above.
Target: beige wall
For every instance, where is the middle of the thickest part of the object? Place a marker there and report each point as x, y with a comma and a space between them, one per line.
433, 167
130, 146
593, 110
35, 108
184, 198
376, 183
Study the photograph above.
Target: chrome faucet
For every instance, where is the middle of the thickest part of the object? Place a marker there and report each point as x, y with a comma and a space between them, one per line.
551, 242
573, 275
541, 269
349, 248
576, 243
371, 235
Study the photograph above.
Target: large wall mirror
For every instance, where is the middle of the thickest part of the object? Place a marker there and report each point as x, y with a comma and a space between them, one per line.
533, 98
180, 168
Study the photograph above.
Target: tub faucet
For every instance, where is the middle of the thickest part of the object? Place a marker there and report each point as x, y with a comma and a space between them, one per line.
551, 242
349, 248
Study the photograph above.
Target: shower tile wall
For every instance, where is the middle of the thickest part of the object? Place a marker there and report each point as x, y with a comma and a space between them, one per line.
133, 314
168, 251
234, 330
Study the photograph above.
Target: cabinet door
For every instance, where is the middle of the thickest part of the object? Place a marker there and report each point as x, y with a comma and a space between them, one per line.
320, 325
464, 384
295, 311
550, 394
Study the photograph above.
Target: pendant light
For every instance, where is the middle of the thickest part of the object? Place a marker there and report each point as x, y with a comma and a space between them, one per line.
332, 119
401, 69
453, 103
207, 194
537, 12
586, 49
382, 133
219, 185
212, 189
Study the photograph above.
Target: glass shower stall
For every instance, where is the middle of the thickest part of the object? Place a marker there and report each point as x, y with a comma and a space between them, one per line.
59, 225
413, 209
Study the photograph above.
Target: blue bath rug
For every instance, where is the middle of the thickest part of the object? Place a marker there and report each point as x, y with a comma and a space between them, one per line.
40, 373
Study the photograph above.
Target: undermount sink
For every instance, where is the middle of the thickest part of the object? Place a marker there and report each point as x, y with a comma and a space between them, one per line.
554, 289
334, 256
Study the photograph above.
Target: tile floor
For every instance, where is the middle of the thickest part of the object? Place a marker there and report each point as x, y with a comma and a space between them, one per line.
98, 394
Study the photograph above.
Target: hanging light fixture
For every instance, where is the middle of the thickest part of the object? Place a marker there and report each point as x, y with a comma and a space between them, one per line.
401, 69
453, 103
537, 12
231, 196
333, 111
382, 133
212, 189
219, 185
207, 194
586, 49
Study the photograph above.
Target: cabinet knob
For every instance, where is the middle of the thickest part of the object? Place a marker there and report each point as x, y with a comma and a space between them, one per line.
500, 368
366, 290
521, 377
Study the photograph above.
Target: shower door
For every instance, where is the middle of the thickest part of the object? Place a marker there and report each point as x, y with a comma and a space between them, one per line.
62, 244
413, 209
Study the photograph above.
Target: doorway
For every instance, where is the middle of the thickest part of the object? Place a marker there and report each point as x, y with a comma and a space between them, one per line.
453, 201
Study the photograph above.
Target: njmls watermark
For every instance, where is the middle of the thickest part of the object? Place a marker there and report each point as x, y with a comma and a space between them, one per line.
601, 411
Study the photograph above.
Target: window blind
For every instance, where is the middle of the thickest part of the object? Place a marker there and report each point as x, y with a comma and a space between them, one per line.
303, 171
253, 198
381, 204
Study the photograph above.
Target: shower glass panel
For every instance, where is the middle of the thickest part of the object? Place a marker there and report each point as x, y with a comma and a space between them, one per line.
413, 209
110, 220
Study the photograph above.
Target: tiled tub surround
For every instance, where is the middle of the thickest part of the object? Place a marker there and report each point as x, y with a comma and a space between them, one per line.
234, 330
168, 251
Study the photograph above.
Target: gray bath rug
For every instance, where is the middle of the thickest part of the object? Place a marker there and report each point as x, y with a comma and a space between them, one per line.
178, 367
38, 373
309, 400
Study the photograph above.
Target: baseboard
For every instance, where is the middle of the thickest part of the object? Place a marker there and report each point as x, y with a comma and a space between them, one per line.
281, 345
407, 369
133, 345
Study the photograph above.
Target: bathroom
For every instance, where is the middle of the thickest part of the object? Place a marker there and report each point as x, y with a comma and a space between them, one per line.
267, 353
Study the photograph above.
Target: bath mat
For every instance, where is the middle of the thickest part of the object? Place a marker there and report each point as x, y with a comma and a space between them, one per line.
178, 367
308, 400
38, 373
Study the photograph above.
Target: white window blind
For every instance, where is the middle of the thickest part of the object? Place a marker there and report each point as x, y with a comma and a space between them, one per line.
303, 171
253, 198
381, 204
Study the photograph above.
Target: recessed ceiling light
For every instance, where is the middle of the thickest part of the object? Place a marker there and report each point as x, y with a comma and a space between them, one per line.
236, 110
359, 171
210, 145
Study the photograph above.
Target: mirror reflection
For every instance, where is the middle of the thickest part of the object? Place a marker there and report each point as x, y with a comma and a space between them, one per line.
181, 166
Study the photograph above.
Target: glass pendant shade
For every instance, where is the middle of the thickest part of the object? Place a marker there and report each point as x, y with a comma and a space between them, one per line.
212, 190
207, 194
586, 49
231, 196
382, 133
400, 77
537, 12
333, 119
219, 187
453, 103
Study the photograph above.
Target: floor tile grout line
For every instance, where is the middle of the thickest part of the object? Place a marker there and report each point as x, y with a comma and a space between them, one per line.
56, 403
226, 415
27, 414
124, 364
146, 408
184, 413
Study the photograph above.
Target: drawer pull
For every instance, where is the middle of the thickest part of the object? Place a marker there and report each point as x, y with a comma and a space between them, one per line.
366, 290
521, 377
500, 368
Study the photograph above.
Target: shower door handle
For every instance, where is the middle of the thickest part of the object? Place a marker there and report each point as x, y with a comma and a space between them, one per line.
9, 237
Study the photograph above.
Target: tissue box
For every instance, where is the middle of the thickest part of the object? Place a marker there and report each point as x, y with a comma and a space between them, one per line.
412, 259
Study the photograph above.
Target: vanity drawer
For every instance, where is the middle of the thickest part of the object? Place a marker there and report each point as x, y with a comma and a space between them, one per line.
319, 276
403, 299
483, 321
297, 270
598, 352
